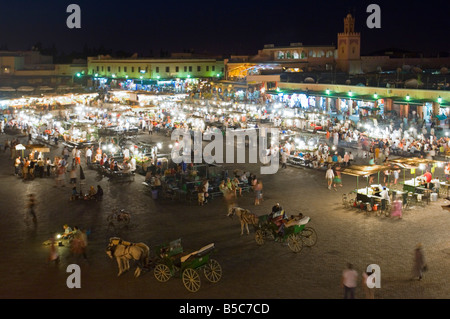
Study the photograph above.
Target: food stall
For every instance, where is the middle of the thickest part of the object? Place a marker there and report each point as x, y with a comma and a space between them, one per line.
416, 184
371, 193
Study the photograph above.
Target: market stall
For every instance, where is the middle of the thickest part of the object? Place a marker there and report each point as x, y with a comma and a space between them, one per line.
417, 184
372, 192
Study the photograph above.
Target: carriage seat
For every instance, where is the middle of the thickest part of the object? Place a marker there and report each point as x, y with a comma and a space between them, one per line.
294, 222
199, 252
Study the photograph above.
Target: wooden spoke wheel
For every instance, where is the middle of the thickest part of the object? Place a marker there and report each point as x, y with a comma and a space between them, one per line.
213, 271
191, 279
162, 273
309, 236
259, 237
269, 235
295, 243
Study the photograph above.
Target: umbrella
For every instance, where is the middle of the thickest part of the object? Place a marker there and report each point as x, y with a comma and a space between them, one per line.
20, 147
25, 89
7, 89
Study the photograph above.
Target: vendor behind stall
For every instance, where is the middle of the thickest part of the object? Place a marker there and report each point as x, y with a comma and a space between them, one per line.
385, 199
427, 177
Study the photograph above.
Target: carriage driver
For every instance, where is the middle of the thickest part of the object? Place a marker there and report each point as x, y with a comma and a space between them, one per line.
276, 209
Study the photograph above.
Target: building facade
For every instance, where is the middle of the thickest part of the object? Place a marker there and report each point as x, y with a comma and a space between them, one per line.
154, 69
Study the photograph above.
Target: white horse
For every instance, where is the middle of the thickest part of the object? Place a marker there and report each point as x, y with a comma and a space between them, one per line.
245, 217
124, 251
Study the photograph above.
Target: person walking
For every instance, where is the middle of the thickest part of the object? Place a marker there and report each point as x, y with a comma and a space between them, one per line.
78, 156
346, 159
368, 292
258, 192
420, 264
31, 206
89, 156
349, 281
337, 180
329, 176
397, 207
283, 158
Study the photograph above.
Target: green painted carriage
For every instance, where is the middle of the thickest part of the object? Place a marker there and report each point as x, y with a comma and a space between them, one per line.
292, 231
173, 262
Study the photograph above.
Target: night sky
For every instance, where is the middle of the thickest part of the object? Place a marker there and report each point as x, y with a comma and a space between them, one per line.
220, 27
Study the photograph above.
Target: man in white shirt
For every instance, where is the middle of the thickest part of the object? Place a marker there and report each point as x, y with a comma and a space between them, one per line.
349, 281
133, 164
89, 156
329, 175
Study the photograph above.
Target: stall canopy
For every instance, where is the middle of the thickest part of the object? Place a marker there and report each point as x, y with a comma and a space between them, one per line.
38, 147
364, 170
411, 162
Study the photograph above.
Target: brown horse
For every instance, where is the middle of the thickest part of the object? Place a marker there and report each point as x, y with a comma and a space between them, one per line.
245, 217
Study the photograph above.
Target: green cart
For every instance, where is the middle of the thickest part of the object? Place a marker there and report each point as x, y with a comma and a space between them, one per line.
292, 231
173, 262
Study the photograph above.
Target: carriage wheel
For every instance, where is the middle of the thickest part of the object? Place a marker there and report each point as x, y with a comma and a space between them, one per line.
162, 273
295, 243
191, 279
126, 219
309, 236
259, 237
269, 235
213, 271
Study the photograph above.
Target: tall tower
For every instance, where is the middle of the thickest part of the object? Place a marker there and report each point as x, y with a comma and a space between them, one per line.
349, 47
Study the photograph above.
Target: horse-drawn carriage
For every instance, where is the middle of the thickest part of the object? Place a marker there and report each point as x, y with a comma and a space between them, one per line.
171, 262
276, 226
292, 230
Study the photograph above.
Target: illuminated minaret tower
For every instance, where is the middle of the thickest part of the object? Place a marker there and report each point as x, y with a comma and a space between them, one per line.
349, 47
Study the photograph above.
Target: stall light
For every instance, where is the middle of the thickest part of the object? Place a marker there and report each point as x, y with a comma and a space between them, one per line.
375, 96
159, 145
170, 146
407, 97
350, 93
96, 74
439, 100
327, 91
113, 75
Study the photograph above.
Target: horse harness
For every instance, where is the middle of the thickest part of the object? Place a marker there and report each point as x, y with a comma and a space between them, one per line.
113, 243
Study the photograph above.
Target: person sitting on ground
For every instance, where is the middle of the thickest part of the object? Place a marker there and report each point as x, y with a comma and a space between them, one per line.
126, 168
91, 193
99, 194
236, 187
67, 232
